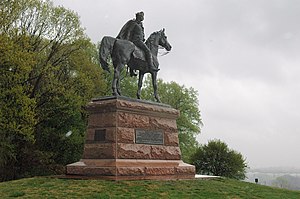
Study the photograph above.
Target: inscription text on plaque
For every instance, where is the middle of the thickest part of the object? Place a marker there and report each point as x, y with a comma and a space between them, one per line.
149, 137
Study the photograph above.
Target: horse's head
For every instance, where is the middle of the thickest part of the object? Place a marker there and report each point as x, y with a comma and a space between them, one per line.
163, 41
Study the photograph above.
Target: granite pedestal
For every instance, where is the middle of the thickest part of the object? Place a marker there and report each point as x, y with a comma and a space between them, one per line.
131, 139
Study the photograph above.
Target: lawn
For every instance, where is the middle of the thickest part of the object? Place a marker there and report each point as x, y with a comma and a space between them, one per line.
45, 187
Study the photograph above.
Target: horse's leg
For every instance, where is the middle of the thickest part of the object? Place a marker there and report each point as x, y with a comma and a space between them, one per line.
118, 87
141, 76
121, 67
154, 83
116, 80
121, 53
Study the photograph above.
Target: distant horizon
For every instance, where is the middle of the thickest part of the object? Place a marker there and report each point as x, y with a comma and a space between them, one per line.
275, 169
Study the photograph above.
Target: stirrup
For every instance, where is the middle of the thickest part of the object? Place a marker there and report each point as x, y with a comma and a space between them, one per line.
154, 69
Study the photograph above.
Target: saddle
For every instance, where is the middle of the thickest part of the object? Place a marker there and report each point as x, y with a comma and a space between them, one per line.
139, 54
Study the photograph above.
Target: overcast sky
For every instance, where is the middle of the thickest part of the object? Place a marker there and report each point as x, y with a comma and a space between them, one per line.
241, 55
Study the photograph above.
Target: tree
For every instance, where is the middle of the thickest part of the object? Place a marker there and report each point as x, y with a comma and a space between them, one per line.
215, 158
49, 71
17, 115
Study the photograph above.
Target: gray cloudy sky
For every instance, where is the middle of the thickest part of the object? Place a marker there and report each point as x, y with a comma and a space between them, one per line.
241, 56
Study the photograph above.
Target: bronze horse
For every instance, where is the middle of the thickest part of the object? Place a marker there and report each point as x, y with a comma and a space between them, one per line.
125, 52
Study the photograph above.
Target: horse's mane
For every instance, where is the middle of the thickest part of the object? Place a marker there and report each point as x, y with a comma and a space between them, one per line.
151, 37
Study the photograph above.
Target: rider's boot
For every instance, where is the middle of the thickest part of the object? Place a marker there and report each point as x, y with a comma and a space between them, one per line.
152, 68
132, 72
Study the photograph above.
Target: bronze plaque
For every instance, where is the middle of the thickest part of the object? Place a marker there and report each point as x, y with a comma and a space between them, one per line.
154, 137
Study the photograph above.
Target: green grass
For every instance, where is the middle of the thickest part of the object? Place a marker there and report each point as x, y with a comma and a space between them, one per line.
43, 187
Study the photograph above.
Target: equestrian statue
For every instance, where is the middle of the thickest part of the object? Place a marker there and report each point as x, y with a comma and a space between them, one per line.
129, 48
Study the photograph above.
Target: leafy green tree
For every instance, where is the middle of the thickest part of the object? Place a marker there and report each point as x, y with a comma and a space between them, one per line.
215, 158
17, 115
49, 71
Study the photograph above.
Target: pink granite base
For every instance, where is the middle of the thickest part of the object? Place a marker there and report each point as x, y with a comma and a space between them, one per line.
118, 156
131, 169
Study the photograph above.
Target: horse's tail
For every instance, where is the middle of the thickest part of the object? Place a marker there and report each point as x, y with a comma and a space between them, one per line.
105, 50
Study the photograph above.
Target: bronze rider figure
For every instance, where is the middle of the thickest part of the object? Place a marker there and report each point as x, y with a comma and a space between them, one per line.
133, 31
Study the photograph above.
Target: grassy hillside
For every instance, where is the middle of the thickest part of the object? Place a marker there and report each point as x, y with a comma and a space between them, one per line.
61, 188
